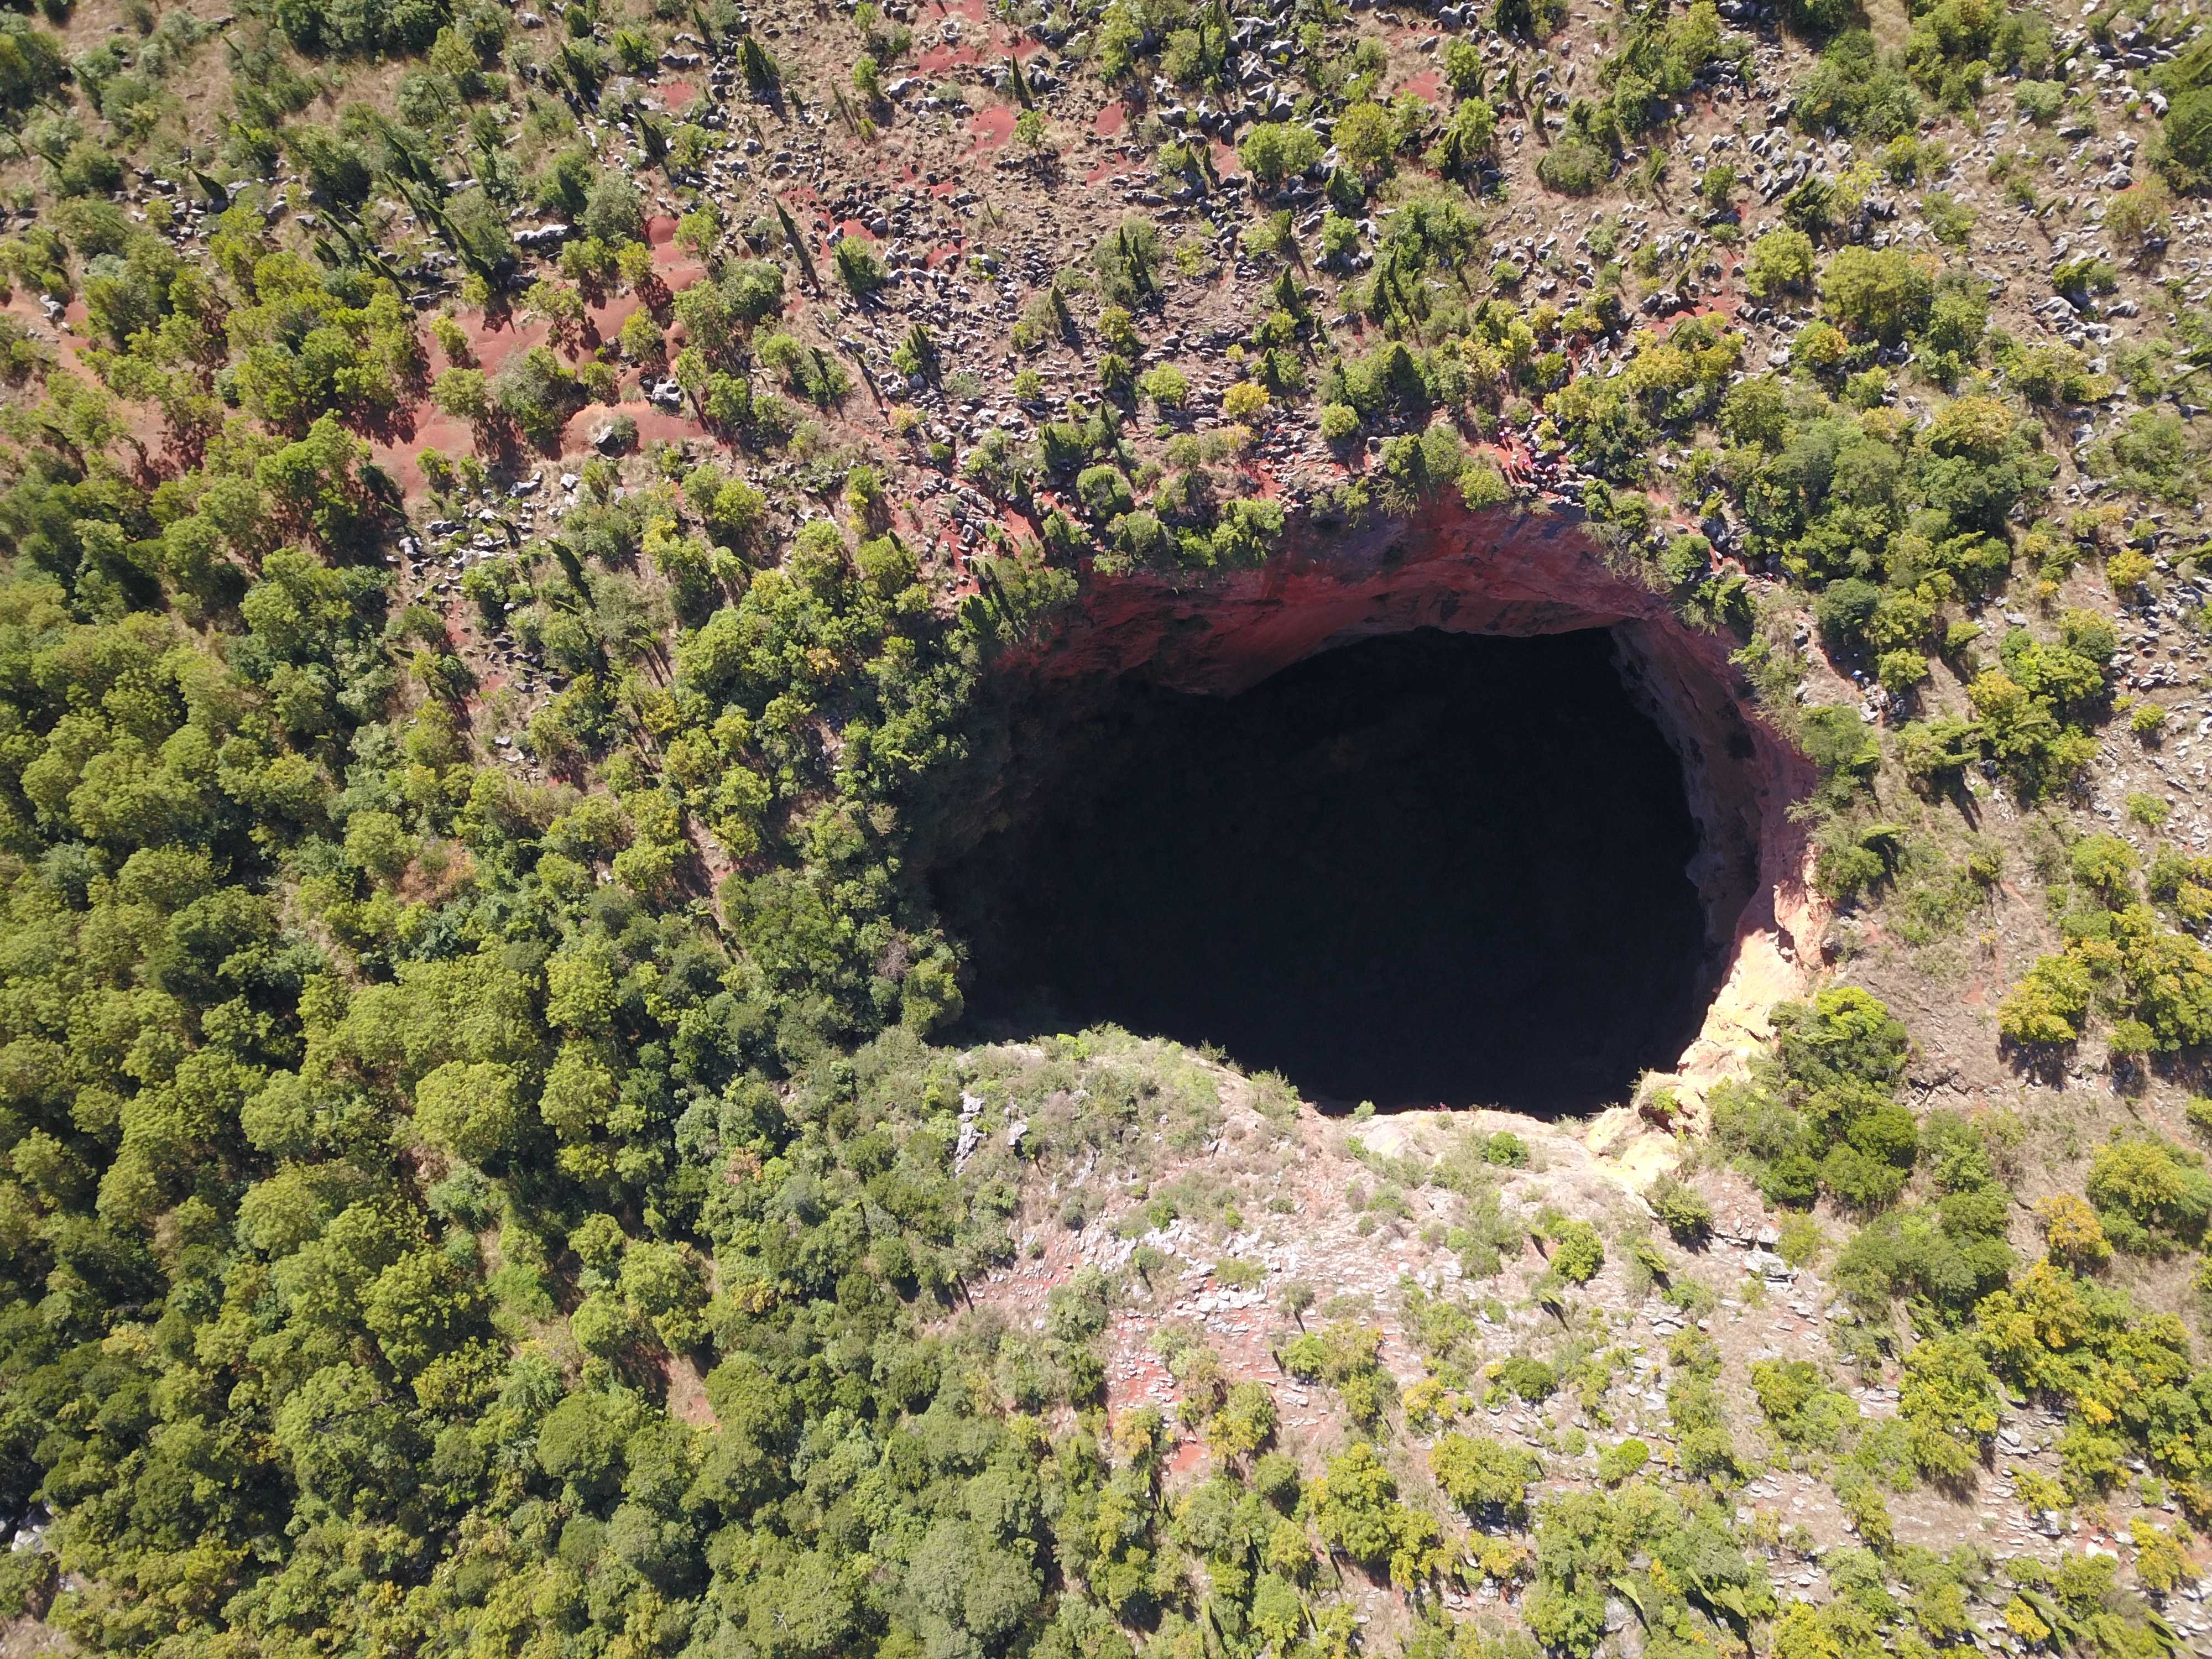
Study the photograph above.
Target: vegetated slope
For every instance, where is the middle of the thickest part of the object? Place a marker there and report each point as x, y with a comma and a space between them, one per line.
506, 512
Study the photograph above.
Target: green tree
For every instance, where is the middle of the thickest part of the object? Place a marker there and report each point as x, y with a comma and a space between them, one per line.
1272, 151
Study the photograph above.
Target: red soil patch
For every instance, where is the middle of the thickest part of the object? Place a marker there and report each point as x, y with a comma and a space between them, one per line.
142, 422
942, 254
680, 93
490, 348
1226, 162
992, 127
687, 1395
433, 430
938, 59
652, 422
1428, 85
1110, 121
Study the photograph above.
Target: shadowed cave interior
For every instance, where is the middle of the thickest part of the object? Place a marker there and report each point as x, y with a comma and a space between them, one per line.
1420, 869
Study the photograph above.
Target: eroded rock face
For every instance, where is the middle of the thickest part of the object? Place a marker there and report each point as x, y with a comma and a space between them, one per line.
1507, 572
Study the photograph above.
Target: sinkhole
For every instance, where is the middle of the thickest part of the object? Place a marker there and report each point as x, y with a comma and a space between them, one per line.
1418, 868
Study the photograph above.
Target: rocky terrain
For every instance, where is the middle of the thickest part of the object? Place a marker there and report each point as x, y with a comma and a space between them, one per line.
516, 521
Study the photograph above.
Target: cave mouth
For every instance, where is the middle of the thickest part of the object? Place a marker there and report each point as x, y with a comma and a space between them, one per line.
1418, 869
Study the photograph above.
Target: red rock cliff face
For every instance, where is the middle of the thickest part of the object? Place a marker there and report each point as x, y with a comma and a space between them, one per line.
1514, 573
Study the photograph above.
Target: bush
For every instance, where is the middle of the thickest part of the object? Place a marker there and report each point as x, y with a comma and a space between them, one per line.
1355, 1508
1463, 70
1804, 1412
363, 29
2135, 217
88, 170
1103, 491
1781, 262
614, 213
2185, 150
1506, 1150
1483, 1476
1577, 1252
1883, 293
1822, 1115
1127, 261
1272, 151
1574, 166
1168, 387
464, 393
2150, 1195
1532, 1380
1623, 1461
1853, 90
1245, 401
1947, 1403
1481, 484
1367, 137
1683, 1211
858, 265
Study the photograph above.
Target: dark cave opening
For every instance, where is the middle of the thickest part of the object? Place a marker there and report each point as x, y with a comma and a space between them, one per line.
1420, 869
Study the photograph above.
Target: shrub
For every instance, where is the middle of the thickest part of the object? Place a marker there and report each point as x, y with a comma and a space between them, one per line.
1272, 151
1577, 1252
2047, 1006
1463, 70
1532, 1380
1823, 1115
1884, 292
1245, 401
1367, 137
1780, 261
2072, 1231
2150, 1195
2039, 102
1168, 387
1127, 261
1574, 166
1481, 484
858, 265
1623, 1461
1103, 491
1484, 1476
2184, 150
88, 169
2135, 216
614, 213
1804, 1412
1853, 90
464, 393
1683, 1211
1947, 1403
1355, 1508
